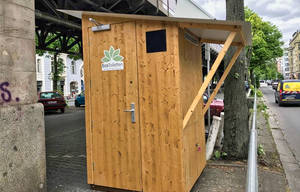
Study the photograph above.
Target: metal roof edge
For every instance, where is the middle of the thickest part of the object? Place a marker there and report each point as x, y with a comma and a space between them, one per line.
203, 10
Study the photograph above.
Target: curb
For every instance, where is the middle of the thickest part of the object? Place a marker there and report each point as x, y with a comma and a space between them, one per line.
289, 163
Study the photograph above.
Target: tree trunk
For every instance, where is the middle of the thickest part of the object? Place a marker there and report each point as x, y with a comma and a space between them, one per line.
236, 130
55, 73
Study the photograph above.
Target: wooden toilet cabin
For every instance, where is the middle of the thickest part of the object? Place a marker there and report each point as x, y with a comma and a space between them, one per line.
143, 89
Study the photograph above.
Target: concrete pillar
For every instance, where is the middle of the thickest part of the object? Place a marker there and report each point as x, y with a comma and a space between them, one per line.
22, 134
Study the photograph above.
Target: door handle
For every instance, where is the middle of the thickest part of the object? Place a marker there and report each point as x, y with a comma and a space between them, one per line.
132, 110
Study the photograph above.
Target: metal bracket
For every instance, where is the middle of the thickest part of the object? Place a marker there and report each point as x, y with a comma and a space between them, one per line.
132, 110
99, 26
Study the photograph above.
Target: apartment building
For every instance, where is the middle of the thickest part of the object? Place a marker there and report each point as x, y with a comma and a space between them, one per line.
72, 79
283, 66
294, 56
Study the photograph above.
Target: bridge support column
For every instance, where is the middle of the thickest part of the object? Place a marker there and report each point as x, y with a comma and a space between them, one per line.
22, 130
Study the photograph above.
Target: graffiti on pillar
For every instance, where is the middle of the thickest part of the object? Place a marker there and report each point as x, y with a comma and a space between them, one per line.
5, 94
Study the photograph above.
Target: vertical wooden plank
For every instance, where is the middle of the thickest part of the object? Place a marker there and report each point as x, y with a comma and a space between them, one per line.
85, 29
116, 140
194, 133
160, 120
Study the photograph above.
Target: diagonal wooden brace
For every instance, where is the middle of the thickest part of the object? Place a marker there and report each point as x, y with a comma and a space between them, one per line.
228, 68
209, 77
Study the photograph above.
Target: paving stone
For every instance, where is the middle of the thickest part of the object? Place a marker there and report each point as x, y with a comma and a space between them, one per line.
277, 134
283, 148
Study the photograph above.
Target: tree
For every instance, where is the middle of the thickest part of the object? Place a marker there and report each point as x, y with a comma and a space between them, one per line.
236, 130
57, 62
267, 71
266, 46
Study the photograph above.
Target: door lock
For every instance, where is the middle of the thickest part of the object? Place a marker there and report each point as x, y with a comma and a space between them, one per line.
132, 110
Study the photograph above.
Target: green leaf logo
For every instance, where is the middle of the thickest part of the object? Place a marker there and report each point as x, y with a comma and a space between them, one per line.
112, 55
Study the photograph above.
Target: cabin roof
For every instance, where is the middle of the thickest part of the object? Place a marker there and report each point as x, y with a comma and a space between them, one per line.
207, 30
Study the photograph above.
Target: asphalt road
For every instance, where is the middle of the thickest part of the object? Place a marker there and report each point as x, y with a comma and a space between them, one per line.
66, 151
289, 120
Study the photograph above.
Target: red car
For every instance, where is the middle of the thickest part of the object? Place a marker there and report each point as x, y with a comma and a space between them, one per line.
52, 101
216, 106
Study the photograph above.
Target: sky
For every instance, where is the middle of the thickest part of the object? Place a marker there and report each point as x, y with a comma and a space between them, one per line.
285, 14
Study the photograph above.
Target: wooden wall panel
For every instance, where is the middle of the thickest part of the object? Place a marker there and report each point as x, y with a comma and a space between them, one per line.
87, 77
116, 153
161, 121
194, 133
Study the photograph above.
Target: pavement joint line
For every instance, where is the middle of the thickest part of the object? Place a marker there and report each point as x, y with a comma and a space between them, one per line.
275, 127
260, 167
66, 156
227, 165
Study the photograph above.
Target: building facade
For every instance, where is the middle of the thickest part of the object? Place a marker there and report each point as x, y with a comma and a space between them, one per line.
294, 56
72, 79
283, 66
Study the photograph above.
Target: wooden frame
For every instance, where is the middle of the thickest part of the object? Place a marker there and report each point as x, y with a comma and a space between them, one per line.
228, 68
209, 77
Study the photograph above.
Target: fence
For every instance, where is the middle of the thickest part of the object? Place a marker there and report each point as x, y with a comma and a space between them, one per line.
252, 176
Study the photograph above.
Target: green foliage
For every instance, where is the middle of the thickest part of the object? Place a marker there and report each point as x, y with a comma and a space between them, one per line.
60, 69
266, 46
270, 72
236, 75
260, 150
220, 154
262, 107
60, 92
58, 64
259, 93
217, 154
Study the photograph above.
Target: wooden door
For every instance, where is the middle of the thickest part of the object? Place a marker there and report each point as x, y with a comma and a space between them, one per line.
115, 150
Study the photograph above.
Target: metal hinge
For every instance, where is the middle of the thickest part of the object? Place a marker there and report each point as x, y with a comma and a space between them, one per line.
93, 166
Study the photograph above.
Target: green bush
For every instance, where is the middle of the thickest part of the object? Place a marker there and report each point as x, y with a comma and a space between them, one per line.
259, 93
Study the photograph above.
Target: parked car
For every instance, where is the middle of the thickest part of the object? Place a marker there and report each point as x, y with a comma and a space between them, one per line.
288, 91
274, 84
216, 106
80, 99
269, 82
52, 101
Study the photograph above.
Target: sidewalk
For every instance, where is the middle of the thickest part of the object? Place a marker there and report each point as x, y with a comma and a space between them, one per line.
223, 176
67, 167
290, 164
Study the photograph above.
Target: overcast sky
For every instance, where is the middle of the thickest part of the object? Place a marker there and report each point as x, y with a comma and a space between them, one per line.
283, 13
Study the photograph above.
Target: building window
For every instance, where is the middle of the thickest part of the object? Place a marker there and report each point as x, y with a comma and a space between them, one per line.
52, 65
73, 67
39, 86
156, 41
287, 69
38, 65
299, 57
299, 46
